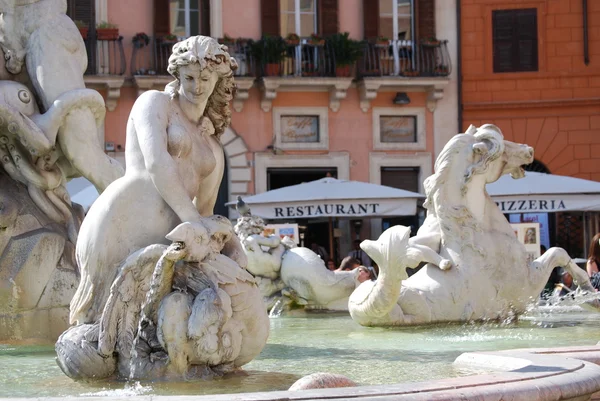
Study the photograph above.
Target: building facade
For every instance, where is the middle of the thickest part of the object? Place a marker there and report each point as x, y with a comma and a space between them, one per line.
532, 67
383, 121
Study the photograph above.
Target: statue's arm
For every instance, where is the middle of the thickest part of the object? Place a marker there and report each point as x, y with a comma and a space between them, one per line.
150, 119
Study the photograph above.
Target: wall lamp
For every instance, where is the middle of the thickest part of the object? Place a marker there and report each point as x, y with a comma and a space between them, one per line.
401, 98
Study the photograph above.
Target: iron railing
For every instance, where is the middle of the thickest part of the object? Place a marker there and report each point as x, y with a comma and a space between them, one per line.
153, 59
405, 58
394, 58
105, 57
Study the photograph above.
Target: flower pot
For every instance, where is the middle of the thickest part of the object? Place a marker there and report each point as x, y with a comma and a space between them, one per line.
107, 33
84, 32
317, 42
292, 42
272, 69
431, 43
342, 71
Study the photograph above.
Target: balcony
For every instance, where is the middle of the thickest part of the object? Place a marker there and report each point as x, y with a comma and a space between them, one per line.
106, 67
399, 65
149, 67
306, 66
403, 65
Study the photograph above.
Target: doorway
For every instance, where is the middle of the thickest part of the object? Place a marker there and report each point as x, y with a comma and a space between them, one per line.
311, 230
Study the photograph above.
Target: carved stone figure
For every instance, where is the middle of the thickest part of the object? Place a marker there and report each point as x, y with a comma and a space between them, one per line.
476, 267
183, 311
49, 132
288, 273
138, 311
38, 35
264, 254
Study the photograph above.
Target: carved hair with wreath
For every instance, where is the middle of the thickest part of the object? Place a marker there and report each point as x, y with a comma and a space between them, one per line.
209, 54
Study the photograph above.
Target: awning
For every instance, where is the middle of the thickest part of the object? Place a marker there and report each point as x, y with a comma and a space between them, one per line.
330, 197
545, 193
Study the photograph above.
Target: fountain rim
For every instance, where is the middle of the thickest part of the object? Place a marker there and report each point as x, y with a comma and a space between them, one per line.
539, 373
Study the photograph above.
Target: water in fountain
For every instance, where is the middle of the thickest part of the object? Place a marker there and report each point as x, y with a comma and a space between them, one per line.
277, 309
332, 343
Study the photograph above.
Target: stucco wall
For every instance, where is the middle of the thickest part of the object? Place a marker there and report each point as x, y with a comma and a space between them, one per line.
556, 109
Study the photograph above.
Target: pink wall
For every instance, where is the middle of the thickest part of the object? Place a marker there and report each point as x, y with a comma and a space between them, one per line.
132, 16
241, 19
351, 18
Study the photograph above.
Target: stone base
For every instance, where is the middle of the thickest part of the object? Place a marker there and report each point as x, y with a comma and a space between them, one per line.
37, 325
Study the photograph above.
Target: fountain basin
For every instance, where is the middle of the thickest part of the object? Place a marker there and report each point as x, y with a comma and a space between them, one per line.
373, 357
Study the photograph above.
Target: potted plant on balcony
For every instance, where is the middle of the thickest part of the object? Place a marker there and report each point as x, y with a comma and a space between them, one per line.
382, 41
140, 40
346, 52
292, 39
107, 31
410, 72
168, 40
227, 40
316, 40
430, 41
270, 51
83, 28
441, 70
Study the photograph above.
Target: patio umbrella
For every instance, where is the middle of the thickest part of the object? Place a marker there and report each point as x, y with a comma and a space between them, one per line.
330, 197
545, 193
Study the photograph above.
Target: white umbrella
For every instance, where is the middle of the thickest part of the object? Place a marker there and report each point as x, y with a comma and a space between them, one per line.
330, 197
545, 193
82, 191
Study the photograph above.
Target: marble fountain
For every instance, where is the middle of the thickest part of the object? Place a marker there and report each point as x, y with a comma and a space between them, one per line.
154, 296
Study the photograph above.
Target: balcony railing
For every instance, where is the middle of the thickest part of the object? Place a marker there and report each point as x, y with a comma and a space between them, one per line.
303, 60
105, 57
153, 59
405, 58
402, 58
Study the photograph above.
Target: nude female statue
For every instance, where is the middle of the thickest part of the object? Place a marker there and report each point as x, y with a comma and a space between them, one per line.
175, 164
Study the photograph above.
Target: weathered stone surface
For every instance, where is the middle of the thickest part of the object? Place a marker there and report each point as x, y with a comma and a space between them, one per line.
476, 267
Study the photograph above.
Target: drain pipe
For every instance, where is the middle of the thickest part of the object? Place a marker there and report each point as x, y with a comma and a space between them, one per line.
586, 50
459, 65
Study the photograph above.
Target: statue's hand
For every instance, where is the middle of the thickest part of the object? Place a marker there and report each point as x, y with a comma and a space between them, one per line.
445, 264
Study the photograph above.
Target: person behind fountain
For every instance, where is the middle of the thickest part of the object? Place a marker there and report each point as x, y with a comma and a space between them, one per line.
366, 273
348, 263
565, 286
359, 254
174, 168
593, 261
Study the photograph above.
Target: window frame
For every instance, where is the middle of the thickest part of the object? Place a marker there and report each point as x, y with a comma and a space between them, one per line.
395, 19
321, 112
187, 17
297, 14
421, 129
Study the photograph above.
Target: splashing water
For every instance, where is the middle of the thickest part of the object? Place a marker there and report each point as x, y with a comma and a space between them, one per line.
277, 309
130, 389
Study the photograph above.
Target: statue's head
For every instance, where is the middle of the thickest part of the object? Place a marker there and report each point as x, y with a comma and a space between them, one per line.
203, 72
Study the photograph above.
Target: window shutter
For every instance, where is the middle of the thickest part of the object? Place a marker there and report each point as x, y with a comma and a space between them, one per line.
425, 10
85, 10
269, 10
371, 18
527, 45
205, 17
328, 17
515, 40
161, 17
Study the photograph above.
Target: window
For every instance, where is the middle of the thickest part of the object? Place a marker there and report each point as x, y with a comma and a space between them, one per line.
301, 127
399, 128
298, 16
515, 41
296, 129
396, 19
184, 18
394, 129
